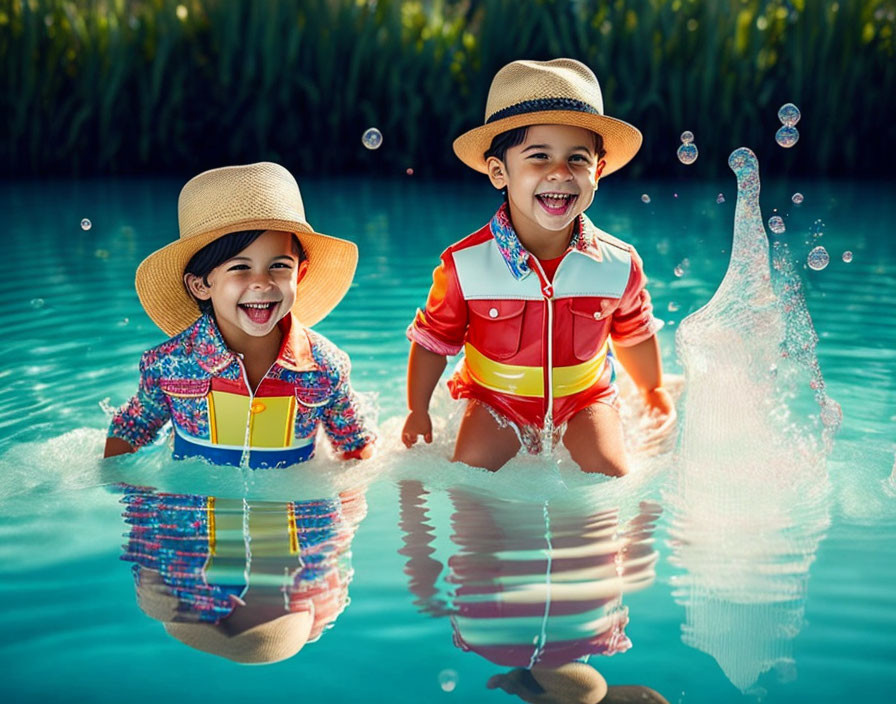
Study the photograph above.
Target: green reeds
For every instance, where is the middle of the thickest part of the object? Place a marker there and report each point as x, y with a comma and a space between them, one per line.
124, 86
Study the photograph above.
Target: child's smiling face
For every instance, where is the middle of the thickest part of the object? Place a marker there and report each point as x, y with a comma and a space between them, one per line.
550, 179
253, 290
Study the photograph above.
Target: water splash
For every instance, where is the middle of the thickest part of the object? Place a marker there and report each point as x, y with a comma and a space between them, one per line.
788, 135
750, 497
818, 259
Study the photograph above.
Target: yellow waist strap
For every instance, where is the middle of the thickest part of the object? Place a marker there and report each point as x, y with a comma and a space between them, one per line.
529, 381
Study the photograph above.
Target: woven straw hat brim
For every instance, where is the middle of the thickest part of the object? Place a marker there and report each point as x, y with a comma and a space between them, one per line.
268, 642
621, 140
331, 268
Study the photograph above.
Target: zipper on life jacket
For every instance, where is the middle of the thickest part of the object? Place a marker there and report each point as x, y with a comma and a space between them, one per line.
547, 290
244, 457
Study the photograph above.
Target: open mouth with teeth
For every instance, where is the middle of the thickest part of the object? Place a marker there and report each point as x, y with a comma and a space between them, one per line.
556, 203
259, 313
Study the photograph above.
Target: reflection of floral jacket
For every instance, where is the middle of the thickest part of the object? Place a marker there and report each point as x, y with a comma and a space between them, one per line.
533, 344
195, 381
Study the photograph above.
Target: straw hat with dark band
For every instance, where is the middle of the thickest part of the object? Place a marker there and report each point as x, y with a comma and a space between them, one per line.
261, 196
557, 92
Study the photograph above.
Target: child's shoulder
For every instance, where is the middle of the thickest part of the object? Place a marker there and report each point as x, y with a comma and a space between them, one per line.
180, 346
483, 234
327, 355
603, 238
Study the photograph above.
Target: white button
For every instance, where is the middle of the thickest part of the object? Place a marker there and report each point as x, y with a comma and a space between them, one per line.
492, 312
598, 315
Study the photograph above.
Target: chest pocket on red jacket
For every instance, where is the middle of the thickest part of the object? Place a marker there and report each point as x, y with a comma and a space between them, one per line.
590, 321
496, 327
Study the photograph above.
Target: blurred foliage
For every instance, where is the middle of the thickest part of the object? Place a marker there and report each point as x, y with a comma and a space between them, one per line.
146, 86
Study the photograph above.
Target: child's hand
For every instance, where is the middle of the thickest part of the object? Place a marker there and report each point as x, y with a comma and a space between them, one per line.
660, 422
418, 423
660, 405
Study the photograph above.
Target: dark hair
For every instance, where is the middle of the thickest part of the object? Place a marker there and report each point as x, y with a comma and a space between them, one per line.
512, 138
216, 253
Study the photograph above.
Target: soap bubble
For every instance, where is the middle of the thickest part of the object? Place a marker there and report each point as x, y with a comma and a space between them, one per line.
720, 198
847, 256
645, 198
776, 224
37, 302
818, 259
86, 224
409, 171
797, 198
673, 306
682, 267
372, 138
789, 114
687, 137
787, 136
687, 153
448, 680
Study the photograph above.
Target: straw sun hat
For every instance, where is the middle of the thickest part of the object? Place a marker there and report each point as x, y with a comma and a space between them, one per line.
261, 196
557, 92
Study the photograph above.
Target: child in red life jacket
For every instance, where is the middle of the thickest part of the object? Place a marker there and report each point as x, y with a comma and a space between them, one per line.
534, 297
243, 379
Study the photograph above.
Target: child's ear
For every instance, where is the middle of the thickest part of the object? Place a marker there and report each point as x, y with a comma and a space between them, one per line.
196, 286
600, 169
303, 269
497, 172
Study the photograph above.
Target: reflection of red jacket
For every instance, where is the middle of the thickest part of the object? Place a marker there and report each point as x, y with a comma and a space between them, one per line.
522, 333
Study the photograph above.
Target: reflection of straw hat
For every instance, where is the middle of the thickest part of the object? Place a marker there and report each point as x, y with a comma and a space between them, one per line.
268, 642
261, 196
558, 92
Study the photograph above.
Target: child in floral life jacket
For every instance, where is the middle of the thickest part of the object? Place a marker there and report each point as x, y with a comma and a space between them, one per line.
535, 296
243, 379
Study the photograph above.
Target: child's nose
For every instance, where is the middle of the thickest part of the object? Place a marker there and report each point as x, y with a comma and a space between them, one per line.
561, 172
262, 280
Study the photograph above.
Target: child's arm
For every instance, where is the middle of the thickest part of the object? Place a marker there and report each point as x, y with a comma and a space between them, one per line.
137, 422
344, 423
436, 333
424, 370
643, 364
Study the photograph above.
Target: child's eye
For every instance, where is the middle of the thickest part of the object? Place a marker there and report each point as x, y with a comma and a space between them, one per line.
238, 267
580, 158
281, 265
538, 155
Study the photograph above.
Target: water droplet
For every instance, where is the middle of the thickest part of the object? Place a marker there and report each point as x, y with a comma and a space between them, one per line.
123, 322
847, 256
789, 114
372, 138
675, 195
797, 198
720, 198
682, 267
409, 171
817, 229
687, 137
37, 302
687, 153
86, 224
678, 271
448, 680
776, 224
673, 306
818, 259
787, 136
645, 198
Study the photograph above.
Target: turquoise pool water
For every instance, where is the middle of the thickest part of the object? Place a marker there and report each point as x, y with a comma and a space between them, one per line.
820, 625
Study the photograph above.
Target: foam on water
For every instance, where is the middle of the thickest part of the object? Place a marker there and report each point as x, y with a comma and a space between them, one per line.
749, 500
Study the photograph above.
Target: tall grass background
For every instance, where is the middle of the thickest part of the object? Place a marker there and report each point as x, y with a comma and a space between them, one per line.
168, 86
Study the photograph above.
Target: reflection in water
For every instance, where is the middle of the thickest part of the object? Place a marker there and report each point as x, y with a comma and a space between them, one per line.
749, 503
251, 581
536, 586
